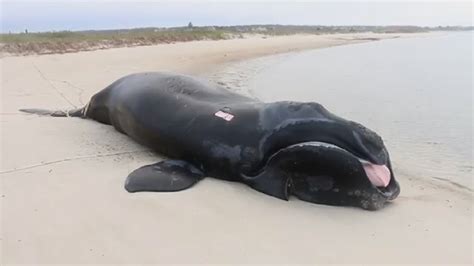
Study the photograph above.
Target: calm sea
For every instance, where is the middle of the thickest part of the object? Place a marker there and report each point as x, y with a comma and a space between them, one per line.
415, 92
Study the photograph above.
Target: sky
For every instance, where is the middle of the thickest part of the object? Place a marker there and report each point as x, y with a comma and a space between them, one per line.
41, 15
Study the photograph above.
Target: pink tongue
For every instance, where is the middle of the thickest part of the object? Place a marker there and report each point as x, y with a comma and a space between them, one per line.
379, 175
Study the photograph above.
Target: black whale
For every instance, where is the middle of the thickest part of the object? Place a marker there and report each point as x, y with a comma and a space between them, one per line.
281, 148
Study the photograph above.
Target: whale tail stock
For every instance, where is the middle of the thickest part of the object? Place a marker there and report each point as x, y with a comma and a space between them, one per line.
78, 112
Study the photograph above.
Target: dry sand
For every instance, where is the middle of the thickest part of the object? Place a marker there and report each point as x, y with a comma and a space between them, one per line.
63, 201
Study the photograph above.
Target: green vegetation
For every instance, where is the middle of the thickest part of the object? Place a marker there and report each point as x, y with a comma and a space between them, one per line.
153, 35
73, 41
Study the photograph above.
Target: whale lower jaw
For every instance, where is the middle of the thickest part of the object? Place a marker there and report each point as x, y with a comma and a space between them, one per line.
378, 175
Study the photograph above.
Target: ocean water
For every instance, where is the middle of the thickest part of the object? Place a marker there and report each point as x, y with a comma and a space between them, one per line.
415, 92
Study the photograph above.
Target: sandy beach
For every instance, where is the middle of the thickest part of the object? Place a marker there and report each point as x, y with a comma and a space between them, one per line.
63, 201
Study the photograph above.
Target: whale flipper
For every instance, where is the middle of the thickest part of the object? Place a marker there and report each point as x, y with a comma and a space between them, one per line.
164, 176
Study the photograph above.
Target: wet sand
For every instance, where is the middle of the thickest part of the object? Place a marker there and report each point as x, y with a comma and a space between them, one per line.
63, 201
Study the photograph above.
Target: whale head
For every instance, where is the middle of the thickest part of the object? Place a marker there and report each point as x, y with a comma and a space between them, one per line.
322, 158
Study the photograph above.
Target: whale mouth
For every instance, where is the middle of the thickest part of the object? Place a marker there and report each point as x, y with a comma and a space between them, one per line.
378, 175
325, 173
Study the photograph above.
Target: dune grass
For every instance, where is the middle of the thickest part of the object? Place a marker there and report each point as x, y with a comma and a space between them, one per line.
73, 41
70, 41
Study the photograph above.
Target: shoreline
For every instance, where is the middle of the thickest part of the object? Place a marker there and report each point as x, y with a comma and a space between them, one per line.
61, 42
236, 76
62, 193
345, 37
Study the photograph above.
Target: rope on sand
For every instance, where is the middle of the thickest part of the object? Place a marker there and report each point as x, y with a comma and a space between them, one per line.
71, 159
54, 87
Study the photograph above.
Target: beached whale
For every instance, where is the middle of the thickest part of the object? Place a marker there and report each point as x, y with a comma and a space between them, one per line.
280, 148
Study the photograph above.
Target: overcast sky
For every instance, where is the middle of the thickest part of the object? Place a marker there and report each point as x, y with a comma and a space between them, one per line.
40, 15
